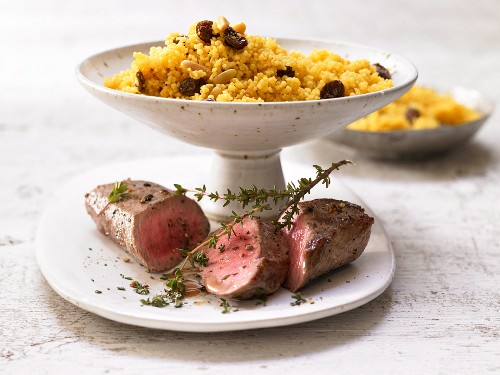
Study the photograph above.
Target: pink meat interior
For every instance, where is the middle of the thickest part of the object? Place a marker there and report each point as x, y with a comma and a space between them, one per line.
177, 224
234, 261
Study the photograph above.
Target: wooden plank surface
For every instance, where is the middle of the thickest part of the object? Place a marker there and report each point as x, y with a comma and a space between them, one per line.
441, 315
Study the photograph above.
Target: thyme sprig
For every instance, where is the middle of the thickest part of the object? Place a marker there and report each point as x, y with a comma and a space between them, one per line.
304, 187
119, 192
195, 259
174, 292
259, 199
246, 197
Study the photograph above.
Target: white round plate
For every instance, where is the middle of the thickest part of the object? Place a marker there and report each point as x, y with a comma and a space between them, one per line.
77, 260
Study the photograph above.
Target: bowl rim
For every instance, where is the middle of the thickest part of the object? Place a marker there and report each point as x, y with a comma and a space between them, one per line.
88, 82
485, 114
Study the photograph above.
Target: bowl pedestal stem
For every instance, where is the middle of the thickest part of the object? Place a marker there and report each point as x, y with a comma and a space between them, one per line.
232, 170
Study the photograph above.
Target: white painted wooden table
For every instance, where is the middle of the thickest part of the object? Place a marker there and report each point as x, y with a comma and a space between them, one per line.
441, 314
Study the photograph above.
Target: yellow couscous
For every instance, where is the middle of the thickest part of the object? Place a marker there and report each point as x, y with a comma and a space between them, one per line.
218, 61
420, 108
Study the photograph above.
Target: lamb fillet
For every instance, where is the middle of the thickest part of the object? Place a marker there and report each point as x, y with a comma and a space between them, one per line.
253, 262
150, 223
325, 234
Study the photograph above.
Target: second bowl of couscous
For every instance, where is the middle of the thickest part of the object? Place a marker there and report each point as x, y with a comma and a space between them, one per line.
422, 123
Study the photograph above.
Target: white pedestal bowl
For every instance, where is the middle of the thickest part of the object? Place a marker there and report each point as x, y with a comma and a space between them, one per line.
247, 137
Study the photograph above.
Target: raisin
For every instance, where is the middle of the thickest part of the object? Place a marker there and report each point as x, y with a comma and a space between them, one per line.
411, 114
333, 89
289, 72
382, 71
204, 30
234, 39
141, 82
191, 86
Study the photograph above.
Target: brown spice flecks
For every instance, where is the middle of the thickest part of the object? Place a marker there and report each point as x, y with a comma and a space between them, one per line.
147, 198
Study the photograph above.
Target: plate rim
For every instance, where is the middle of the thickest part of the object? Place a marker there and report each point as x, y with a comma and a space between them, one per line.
183, 325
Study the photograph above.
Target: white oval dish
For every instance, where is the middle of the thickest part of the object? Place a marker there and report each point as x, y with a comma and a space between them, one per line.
414, 144
66, 234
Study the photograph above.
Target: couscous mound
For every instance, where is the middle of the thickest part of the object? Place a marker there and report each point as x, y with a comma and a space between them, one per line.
218, 61
420, 108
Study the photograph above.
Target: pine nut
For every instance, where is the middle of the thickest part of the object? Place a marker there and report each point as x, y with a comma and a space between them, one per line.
222, 23
225, 77
216, 91
239, 27
195, 66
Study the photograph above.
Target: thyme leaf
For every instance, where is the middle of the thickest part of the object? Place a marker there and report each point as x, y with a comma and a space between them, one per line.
156, 301
299, 299
260, 296
174, 292
226, 307
201, 259
139, 288
120, 191
176, 289
179, 190
261, 300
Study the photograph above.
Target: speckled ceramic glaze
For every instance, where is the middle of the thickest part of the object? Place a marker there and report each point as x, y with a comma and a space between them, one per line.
417, 144
247, 137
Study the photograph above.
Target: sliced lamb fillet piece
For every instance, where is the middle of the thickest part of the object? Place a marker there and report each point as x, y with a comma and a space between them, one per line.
150, 223
325, 234
253, 262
